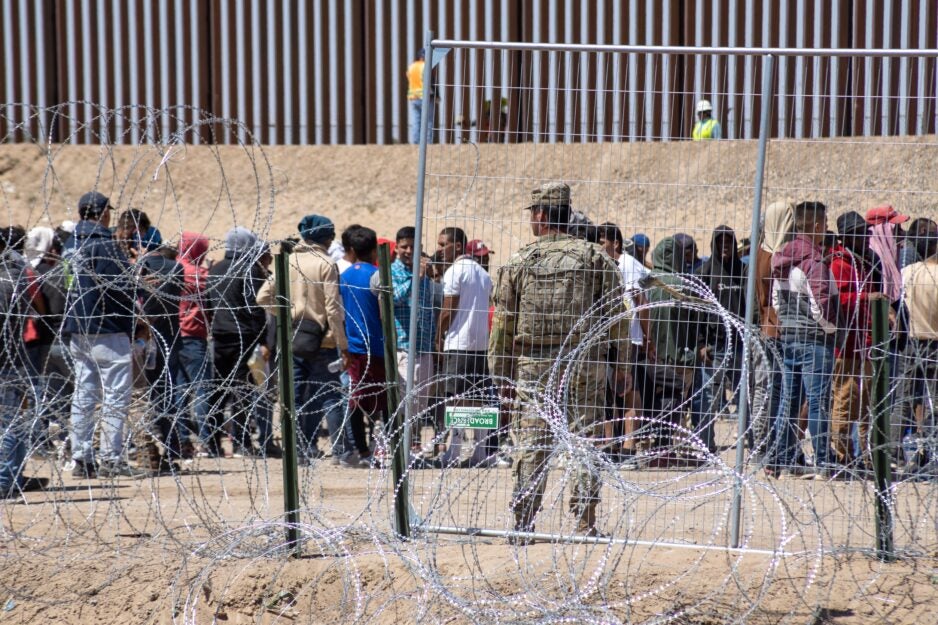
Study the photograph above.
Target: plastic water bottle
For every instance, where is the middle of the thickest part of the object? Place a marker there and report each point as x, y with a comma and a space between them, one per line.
335, 366
257, 366
151, 355
909, 448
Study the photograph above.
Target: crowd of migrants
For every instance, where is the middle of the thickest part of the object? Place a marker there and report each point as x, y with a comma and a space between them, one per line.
92, 314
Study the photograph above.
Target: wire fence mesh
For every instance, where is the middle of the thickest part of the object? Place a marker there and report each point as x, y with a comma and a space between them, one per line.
571, 389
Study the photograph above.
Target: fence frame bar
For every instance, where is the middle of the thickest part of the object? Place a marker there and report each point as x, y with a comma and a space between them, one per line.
742, 416
689, 50
418, 232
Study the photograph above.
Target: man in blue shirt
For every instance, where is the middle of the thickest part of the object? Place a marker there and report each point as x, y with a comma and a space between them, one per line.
365, 343
99, 319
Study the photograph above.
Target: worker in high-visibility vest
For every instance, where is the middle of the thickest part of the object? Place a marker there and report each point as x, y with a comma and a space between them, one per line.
706, 127
415, 93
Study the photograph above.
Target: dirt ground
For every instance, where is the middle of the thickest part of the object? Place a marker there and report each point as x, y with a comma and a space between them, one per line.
206, 546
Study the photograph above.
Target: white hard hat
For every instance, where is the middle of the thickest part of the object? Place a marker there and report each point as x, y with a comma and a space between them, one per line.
704, 105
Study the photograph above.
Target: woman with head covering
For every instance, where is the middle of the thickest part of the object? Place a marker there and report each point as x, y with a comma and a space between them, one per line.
883, 221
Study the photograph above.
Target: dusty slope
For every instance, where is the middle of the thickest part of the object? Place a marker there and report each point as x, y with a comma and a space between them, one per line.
655, 188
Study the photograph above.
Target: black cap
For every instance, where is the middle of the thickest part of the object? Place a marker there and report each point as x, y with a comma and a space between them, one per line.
92, 204
852, 223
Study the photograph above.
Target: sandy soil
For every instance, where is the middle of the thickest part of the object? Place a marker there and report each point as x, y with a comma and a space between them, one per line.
207, 545
654, 188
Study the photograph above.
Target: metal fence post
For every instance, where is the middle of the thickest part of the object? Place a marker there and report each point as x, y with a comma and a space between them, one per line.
291, 493
879, 434
768, 66
398, 441
418, 225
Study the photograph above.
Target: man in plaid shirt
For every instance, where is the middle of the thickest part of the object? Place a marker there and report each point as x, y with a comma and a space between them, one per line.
403, 280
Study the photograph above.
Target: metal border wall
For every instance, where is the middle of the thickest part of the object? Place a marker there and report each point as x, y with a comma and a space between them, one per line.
332, 72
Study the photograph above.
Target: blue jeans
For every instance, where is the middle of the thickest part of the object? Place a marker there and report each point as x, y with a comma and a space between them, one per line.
808, 371
416, 108
708, 397
162, 396
318, 395
193, 370
102, 375
13, 432
340, 423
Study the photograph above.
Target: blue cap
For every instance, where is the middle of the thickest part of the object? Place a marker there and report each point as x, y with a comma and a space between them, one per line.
92, 204
641, 240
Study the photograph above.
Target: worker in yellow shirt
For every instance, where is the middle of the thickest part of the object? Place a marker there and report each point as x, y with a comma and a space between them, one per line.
415, 98
706, 127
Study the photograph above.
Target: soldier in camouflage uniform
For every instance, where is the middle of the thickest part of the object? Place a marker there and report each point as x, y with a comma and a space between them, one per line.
544, 305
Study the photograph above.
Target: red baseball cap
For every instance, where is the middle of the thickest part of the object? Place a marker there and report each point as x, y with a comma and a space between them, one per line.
476, 247
882, 214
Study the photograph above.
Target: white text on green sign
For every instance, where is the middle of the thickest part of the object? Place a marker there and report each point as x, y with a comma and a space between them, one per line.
473, 418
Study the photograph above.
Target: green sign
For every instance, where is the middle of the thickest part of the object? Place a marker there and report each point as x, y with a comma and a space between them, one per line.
471, 417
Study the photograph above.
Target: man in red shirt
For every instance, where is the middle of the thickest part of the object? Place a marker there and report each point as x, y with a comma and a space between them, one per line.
853, 269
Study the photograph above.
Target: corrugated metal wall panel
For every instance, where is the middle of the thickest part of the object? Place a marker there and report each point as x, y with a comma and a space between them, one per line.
332, 71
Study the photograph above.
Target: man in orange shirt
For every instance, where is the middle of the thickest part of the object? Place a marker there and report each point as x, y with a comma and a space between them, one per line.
415, 93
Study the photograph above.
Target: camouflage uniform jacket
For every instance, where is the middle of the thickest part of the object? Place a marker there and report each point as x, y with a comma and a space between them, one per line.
549, 296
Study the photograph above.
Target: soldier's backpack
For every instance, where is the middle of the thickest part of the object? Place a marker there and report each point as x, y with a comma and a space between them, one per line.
556, 293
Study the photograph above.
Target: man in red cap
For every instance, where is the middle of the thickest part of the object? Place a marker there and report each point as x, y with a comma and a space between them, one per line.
479, 251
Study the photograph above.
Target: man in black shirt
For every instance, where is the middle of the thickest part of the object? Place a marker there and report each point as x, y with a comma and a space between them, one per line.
237, 326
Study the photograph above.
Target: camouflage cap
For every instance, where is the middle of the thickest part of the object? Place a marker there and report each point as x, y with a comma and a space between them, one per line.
550, 194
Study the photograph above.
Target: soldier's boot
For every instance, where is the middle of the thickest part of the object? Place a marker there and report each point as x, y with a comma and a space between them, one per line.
151, 457
586, 522
523, 523
519, 540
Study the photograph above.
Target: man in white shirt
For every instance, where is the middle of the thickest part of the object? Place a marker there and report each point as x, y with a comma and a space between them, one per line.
625, 397
342, 253
463, 334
